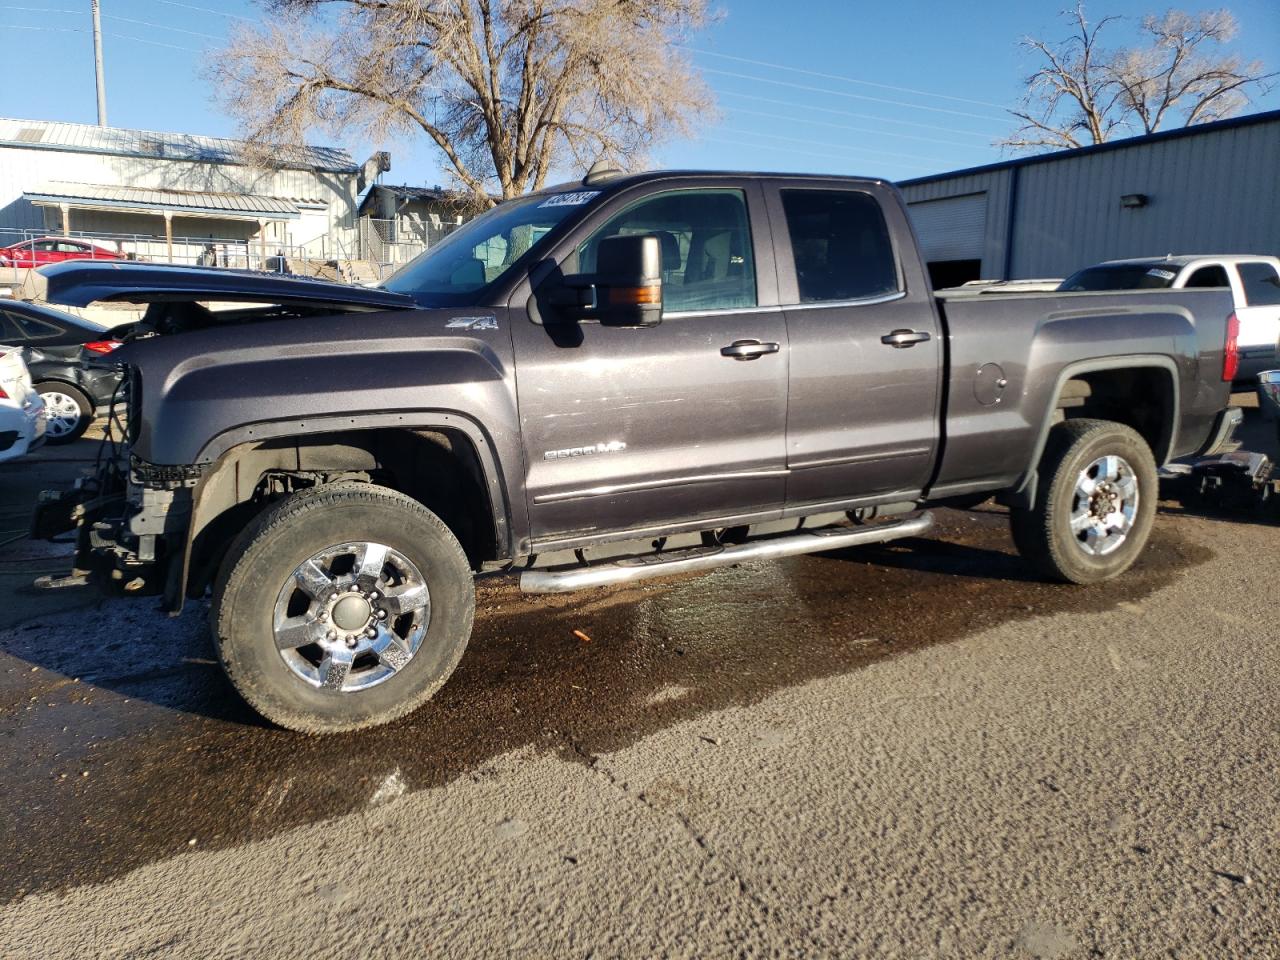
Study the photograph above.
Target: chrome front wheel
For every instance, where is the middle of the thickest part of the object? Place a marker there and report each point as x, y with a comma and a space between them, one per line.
351, 616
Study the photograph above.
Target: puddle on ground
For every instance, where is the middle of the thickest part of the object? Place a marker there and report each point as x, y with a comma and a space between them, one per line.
152, 747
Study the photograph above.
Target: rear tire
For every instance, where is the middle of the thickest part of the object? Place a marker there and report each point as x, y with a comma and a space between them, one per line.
1095, 503
342, 607
68, 412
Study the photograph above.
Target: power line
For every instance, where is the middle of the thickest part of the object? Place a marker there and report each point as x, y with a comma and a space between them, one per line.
154, 43
161, 26
841, 126
849, 113
807, 153
833, 76
843, 93
113, 36
218, 13
827, 143
47, 29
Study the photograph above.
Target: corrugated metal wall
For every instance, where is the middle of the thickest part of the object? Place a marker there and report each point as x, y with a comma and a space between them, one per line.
996, 187
1212, 192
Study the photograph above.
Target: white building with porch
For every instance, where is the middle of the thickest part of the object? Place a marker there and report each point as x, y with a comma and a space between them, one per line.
176, 197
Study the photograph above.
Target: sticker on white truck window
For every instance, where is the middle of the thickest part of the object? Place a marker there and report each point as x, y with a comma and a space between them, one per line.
570, 199
1162, 274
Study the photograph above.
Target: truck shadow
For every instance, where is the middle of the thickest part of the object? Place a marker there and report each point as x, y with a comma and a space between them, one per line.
169, 753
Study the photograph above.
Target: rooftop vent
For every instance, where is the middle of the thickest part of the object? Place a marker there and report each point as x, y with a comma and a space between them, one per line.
31, 134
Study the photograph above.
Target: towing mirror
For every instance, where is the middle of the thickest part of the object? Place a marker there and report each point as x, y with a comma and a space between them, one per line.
625, 290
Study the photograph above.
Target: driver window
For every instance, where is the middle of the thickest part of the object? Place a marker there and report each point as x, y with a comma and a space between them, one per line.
707, 261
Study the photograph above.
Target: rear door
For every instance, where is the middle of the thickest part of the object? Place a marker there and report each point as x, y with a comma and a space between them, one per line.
866, 350
634, 428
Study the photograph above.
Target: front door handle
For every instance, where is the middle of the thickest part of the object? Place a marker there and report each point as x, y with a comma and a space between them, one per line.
900, 339
748, 349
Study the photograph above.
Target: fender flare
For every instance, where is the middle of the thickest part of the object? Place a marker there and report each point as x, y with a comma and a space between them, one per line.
216, 449
1024, 492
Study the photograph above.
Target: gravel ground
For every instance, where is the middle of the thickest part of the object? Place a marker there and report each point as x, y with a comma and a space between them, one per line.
905, 751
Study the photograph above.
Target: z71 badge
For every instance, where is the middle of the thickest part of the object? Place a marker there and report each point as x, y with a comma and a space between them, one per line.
613, 446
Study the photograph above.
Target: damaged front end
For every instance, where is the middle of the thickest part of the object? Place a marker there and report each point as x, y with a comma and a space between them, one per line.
130, 517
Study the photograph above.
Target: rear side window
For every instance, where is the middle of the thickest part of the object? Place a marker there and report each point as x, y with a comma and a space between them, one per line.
31, 329
1209, 277
1261, 284
1121, 276
841, 245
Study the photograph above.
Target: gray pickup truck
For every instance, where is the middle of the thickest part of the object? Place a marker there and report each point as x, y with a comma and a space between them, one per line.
625, 377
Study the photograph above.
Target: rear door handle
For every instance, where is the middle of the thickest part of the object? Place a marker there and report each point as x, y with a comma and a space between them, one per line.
904, 338
748, 349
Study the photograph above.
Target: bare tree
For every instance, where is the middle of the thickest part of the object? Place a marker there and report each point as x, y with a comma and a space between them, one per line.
1084, 93
508, 90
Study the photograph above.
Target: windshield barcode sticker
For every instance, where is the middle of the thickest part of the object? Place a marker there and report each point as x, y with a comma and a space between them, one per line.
1162, 274
570, 199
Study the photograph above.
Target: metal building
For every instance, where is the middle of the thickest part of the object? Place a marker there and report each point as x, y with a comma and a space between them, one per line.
1211, 188
147, 192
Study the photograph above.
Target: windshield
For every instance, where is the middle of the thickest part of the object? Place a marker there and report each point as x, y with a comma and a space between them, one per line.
485, 249
1122, 276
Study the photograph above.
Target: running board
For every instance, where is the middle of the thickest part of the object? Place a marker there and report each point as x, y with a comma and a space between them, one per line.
697, 559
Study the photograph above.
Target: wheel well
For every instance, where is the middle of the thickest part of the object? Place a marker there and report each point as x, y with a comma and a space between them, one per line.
1140, 397
441, 469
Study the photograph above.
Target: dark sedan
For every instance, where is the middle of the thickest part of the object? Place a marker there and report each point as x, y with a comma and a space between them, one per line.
69, 360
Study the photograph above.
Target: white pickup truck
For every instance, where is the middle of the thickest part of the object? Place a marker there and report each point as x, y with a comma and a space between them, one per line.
1254, 282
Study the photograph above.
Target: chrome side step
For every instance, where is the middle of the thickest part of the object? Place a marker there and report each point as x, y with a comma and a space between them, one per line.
697, 559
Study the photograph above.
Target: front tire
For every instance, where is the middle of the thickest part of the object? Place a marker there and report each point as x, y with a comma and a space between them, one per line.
342, 607
67, 411
1095, 503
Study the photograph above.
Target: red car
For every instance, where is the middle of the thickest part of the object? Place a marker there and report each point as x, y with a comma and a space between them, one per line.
36, 253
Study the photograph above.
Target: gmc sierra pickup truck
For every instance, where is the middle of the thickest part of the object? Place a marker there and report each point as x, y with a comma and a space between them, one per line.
625, 377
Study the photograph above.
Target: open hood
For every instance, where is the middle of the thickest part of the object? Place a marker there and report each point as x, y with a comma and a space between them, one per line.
79, 283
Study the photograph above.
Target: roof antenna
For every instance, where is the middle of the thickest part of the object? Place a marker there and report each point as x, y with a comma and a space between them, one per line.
601, 171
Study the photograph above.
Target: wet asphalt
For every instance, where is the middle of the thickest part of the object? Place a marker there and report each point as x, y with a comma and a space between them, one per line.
121, 743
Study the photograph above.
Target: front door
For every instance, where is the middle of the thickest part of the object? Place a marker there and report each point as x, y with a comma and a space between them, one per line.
682, 423
866, 351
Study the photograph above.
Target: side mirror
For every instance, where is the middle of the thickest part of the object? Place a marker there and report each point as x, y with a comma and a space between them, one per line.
625, 290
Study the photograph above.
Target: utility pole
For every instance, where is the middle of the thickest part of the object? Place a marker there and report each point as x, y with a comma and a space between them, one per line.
97, 63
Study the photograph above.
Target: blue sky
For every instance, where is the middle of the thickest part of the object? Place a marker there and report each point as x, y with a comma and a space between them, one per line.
895, 90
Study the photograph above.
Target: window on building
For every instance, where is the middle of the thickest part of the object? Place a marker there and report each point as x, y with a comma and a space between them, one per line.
1261, 284
707, 262
1209, 277
841, 245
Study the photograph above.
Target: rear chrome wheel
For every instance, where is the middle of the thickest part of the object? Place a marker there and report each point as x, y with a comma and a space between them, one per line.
1105, 505
1095, 502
